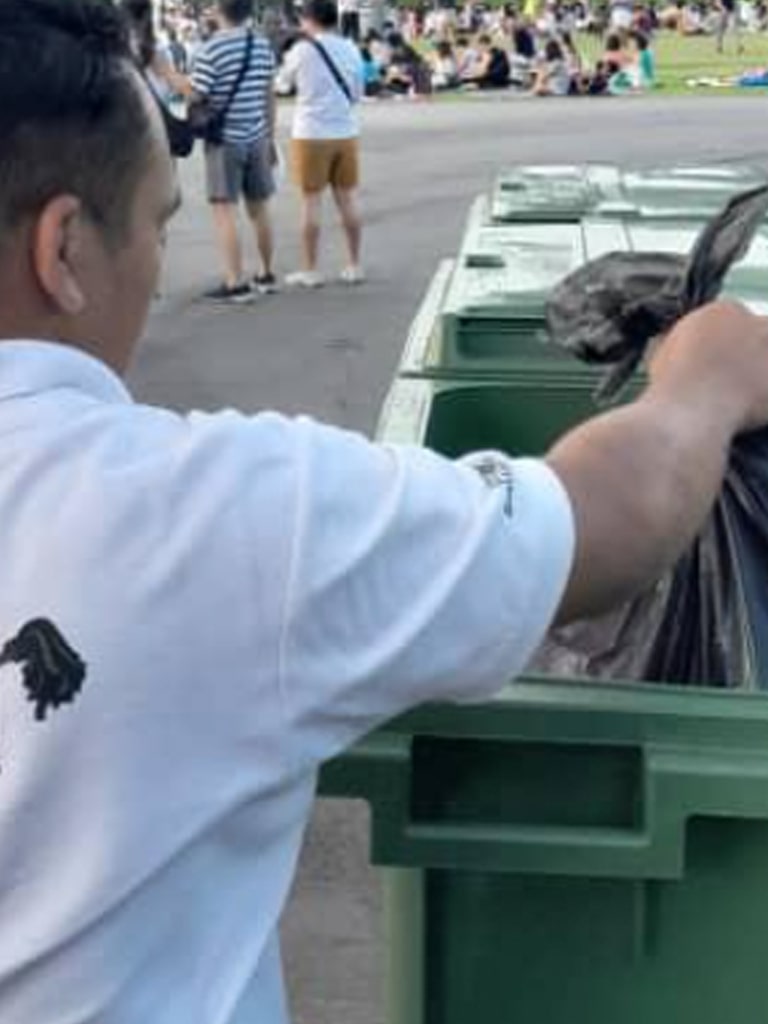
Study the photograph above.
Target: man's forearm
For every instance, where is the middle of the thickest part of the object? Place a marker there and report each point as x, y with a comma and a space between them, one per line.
641, 481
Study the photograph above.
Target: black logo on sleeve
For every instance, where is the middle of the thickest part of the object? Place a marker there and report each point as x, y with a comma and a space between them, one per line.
51, 672
496, 473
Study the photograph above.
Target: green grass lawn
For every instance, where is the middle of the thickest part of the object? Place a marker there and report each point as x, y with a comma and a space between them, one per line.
679, 59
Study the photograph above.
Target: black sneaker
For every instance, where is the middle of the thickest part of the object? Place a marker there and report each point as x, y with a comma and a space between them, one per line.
266, 284
237, 294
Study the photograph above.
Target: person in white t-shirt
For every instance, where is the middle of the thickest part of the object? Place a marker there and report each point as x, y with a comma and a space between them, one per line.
621, 15
327, 72
197, 610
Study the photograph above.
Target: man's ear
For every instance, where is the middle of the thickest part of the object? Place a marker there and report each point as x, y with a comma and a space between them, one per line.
58, 254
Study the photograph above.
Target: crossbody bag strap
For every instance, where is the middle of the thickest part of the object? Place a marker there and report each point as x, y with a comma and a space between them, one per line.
338, 77
240, 76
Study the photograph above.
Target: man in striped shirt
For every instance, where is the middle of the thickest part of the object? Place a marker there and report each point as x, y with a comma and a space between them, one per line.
242, 166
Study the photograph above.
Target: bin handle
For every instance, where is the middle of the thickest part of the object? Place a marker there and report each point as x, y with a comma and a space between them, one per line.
677, 784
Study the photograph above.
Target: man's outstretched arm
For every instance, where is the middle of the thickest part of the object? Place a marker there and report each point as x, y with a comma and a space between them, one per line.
642, 479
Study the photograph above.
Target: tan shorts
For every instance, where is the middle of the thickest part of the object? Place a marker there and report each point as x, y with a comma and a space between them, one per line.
318, 163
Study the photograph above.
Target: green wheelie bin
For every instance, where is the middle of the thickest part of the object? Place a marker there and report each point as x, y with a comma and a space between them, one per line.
569, 852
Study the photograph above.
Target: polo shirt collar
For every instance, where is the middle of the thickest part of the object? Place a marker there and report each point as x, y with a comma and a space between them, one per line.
31, 367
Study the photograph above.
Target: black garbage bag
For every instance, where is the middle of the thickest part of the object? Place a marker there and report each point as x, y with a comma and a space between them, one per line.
706, 621
609, 310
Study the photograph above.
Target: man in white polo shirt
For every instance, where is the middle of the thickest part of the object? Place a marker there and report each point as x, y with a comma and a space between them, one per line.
195, 611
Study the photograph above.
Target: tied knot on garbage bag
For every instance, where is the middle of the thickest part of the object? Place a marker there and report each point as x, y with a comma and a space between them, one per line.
706, 622
609, 310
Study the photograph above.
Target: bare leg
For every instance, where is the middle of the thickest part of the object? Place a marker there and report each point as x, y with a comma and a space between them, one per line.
722, 28
311, 209
346, 201
225, 224
736, 19
262, 226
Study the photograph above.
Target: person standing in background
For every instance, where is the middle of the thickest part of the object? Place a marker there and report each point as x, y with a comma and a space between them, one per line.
350, 19
177, 51
234, 72
729, 21
327, 72
621, 15
153, 58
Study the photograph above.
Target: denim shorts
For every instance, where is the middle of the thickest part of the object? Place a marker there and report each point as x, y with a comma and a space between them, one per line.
237, 170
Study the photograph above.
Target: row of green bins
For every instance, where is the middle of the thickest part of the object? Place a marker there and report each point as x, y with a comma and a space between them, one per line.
568, 853
562, 194
485, 313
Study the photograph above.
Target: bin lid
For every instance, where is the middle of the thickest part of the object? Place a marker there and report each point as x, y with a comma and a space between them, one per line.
516, 267
566, 194
492, 312
687, 191
747, 280
549, 193
431, 349
520, 264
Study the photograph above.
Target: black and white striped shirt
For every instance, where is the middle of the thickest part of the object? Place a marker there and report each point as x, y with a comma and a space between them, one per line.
216, 69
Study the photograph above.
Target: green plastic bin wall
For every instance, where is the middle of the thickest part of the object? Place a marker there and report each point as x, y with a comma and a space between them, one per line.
520, 417
566, 853
572, 854
562, 194
517, 350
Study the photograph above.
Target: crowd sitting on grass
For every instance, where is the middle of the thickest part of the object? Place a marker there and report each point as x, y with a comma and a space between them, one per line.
534, 47
522, 59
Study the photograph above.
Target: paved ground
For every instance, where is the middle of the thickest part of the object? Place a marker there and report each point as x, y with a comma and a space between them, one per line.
332, 354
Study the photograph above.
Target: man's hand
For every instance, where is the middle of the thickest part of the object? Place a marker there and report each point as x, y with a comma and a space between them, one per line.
642, 478
719, 353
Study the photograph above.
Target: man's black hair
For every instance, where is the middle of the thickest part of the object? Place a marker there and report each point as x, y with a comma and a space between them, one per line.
72, 119
324, 13
237, 12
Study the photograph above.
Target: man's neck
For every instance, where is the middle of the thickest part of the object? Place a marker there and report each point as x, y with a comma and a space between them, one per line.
116, 364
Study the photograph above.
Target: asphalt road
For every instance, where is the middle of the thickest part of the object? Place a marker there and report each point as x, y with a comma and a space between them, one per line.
332, 353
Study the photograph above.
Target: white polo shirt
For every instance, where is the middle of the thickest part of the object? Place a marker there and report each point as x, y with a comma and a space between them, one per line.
322, 110
195, 611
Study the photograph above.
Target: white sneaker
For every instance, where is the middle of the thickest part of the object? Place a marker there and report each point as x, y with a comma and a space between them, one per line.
352, 275
305, 279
